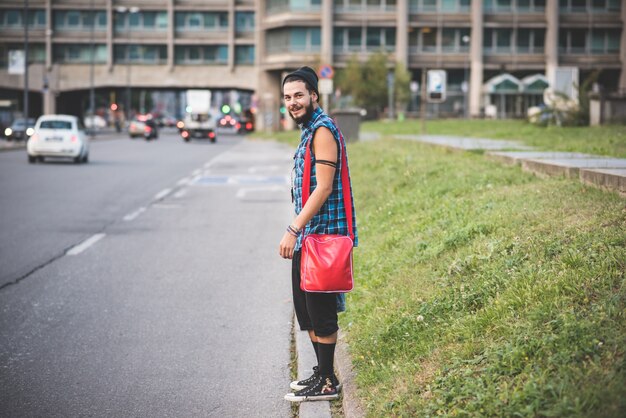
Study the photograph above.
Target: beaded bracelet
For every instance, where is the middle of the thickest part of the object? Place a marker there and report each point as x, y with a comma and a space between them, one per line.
293, 231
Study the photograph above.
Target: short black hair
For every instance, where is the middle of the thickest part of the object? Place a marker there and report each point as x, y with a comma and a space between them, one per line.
291, 78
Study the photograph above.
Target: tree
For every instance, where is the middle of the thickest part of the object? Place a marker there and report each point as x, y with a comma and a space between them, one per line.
402, 86
374, 86
350, 80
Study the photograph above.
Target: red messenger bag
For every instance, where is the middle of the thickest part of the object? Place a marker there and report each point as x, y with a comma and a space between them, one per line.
326, 265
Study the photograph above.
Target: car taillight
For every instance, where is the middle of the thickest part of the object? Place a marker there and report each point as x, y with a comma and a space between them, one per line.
74, 138
233, 122
180, 124
148, 129
185, 134
249, 126
132, 126
238, 126
211, 134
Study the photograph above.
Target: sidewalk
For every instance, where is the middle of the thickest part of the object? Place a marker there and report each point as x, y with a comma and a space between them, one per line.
604, 172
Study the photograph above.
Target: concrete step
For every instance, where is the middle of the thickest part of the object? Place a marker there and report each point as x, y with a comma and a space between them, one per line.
570, 167
516, 157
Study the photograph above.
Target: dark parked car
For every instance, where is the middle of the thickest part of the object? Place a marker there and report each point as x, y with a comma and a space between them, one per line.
20, 129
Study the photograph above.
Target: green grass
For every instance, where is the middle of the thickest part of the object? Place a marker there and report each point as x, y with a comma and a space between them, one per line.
482, 290
601, 140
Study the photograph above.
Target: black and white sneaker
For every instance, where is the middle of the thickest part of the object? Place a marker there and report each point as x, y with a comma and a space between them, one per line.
322, 389
301, 384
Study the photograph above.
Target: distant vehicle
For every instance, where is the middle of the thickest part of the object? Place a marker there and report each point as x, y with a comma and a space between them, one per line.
198, 121
150, 130
58, 136
20, 129
95, 121
144, 126
241, 126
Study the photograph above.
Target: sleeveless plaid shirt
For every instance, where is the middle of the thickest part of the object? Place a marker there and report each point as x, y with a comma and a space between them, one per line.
331, 218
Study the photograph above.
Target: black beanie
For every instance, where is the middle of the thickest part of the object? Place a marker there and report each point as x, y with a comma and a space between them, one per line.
305, 74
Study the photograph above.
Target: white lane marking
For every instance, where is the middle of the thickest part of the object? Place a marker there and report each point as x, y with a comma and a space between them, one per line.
183, 181
196, 172
134, 214
180, 193
162, 194
263, 168
77, 249
209, 164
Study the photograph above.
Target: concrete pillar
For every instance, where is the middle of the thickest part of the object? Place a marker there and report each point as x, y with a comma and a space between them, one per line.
622, 52
110, 29
49, 34
267, 118
476, 59
327, 32
552, 40
170, 34
49, 94
268, 86
231, 35
402, 32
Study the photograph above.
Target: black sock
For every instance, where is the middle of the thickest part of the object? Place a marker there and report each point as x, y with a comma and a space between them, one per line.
326, 359
317, 354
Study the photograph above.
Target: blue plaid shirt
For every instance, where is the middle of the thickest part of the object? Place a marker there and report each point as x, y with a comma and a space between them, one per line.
331, 218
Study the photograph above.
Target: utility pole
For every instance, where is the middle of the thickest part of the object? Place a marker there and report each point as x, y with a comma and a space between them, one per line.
92, 95
26, 61
423, 102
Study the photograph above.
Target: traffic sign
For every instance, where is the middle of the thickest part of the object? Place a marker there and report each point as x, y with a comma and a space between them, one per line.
436, 86
326, 71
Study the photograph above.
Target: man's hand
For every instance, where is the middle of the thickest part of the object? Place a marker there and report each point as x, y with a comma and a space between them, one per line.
287, 244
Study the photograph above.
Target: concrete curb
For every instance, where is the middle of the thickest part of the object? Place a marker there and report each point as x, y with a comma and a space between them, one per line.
352, 407
306, 361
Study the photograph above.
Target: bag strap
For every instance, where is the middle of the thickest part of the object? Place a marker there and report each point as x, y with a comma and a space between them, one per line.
345, 181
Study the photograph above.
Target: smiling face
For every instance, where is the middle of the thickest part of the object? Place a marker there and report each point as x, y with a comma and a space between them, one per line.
300, 103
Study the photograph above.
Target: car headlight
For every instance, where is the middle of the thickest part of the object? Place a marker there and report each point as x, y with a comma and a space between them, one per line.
8, 132
30, 131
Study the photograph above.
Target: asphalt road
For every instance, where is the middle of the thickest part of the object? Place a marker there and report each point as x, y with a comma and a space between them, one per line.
147, 282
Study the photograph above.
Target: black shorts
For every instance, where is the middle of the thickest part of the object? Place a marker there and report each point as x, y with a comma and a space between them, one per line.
315, 311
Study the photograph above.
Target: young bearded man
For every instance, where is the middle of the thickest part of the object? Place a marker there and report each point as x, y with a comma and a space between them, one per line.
323, 213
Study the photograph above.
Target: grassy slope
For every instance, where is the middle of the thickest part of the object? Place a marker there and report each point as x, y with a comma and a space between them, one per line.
601, 140
482, 290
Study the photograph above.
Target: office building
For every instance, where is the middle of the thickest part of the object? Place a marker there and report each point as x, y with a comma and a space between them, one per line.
496, 52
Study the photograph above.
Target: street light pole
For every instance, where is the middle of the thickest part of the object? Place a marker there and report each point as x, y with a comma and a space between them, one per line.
26, 62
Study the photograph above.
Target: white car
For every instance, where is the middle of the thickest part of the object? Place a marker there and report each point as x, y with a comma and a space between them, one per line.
58, 136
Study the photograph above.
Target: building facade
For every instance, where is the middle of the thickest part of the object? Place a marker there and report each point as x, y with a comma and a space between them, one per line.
492, 50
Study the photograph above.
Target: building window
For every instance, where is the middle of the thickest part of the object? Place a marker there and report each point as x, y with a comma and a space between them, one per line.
593, 6
201, 54
244, 55
13, 19
452, 40
244, 22
370, 39
530, 41
298, 40
79, 53
282, 6
439, 6
509, 6
497, 41
140, 54
605, 41
80, 20
140, 21
201, 21
365, 6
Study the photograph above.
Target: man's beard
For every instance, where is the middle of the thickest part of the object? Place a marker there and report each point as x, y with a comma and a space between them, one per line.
307, 114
